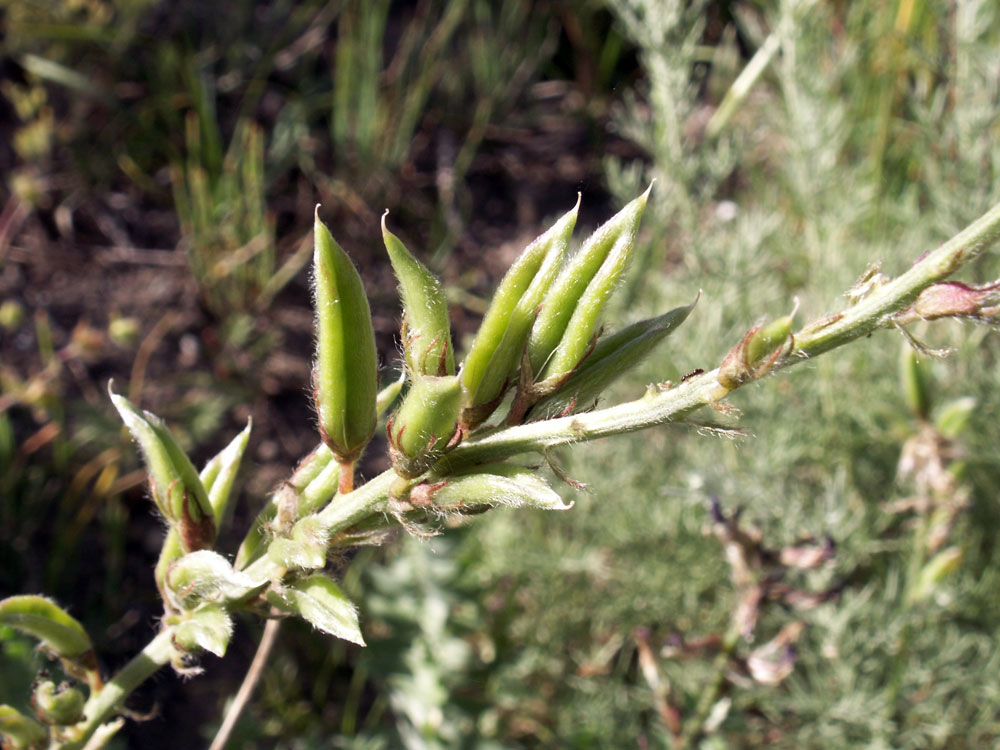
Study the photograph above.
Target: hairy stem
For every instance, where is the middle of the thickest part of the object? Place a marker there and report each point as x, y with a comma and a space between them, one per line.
672, 404
108, 701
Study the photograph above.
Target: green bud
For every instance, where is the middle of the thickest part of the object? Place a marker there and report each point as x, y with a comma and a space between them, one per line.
19, 731
490, 485
177, 490
496, 351
219, 474
612, 357
204, 576
345, 378
768, 338
320, 602
565, 326
954, 416
57, 704
426, 329
424, 424
208, 628
756, 353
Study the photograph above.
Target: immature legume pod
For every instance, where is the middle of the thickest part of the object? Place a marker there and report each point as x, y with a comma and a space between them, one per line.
345, 378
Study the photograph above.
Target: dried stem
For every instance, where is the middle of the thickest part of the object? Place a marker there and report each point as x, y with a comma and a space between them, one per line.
253, 675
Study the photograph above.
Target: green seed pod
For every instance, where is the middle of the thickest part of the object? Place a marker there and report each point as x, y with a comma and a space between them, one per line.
916, 388
20, 731
426, 330
345, 378
612, 357
497, 348
564, 329
177, 490
424, 424
57, 704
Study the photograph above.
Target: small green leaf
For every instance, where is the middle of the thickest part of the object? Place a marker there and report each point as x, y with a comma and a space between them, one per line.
497, 484
57, 704
208, 627
496, 351
565, 326
204, 576
220, 473
20, 731
613, 356
426, 328
423, 425
320, 602
43, 619
345, 379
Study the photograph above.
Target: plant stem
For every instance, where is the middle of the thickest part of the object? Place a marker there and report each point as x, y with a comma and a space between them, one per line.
253, 675
672, 404
661, 405
110, 698
694, 727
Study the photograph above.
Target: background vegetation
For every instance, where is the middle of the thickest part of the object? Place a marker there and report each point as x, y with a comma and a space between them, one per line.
162, 161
